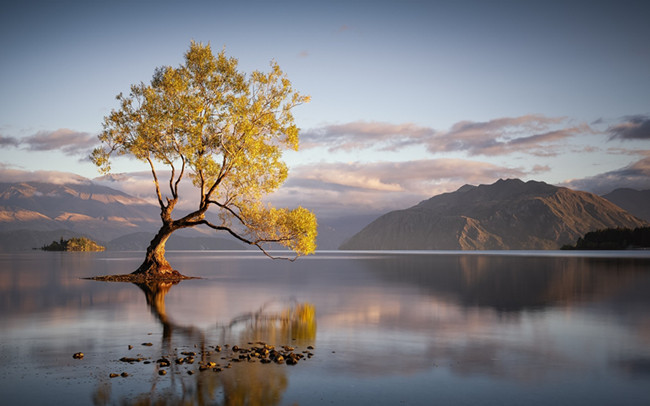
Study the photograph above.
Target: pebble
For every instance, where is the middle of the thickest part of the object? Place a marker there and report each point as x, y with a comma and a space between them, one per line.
130, 360
261, 351
78, 355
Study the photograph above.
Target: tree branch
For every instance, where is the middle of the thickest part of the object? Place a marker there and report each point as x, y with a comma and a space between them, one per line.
256, 243
180, 176
155, 181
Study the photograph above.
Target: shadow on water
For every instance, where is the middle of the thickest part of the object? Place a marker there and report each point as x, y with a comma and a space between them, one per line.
204, 369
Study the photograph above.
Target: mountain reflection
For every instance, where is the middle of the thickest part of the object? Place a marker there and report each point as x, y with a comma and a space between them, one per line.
520, 319
250, 383
515, 283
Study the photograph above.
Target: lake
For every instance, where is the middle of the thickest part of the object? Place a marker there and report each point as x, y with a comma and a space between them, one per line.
375, 328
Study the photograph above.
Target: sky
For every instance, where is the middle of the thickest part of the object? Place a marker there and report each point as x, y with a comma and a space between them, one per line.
409, 99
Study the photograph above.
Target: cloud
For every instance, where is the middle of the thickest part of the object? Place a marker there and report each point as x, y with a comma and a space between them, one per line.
8, 141
65, 140
141, 185
531, 134
634, 176
361, 135
633, 128
10, 174
332, 189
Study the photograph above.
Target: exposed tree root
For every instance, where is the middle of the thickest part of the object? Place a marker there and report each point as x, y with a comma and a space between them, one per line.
173, 276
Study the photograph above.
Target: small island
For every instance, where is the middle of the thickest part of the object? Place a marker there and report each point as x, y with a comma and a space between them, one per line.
73, 244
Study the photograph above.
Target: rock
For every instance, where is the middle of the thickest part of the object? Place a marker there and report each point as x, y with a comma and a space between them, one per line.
113, 375
130, 360
164, 362
130, 347
162, 372
147, 344
190, 372
78, 355
292, 361
124, 374
310, 347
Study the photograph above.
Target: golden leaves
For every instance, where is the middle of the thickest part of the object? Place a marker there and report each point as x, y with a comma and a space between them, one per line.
295, 229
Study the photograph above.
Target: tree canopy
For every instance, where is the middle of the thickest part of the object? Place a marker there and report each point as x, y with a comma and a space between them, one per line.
225, 131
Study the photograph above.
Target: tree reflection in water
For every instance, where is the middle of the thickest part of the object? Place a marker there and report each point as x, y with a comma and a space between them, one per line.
250, 383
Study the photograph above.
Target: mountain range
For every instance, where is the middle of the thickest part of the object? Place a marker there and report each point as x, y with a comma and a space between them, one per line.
84, 208
33, 214
509, 214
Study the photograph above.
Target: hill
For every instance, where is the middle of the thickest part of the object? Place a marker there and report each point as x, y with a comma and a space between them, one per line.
85, 208
25, 240
36, 213
636, 202
33, 214
508, 214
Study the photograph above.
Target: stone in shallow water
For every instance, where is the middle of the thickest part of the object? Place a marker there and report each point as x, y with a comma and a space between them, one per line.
78, 355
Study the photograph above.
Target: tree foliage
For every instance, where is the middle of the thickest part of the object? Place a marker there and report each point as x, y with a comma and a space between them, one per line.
225, 131
73, 244
614, 239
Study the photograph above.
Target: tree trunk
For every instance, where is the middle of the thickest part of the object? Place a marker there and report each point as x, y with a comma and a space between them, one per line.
155, 266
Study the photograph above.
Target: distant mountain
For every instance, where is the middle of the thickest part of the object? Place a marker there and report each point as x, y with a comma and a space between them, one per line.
86, 208
25, 240
636, 202
332, 232
508, 214
33, 214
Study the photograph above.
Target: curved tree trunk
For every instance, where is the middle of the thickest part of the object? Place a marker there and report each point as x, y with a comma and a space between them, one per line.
155, 266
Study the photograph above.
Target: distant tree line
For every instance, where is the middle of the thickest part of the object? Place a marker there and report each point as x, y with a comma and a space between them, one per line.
73, 244
613, 239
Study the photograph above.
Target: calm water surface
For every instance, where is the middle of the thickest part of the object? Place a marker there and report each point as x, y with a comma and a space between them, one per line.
387, 328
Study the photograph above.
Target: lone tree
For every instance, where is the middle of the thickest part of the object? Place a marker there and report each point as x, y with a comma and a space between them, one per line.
226, 132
